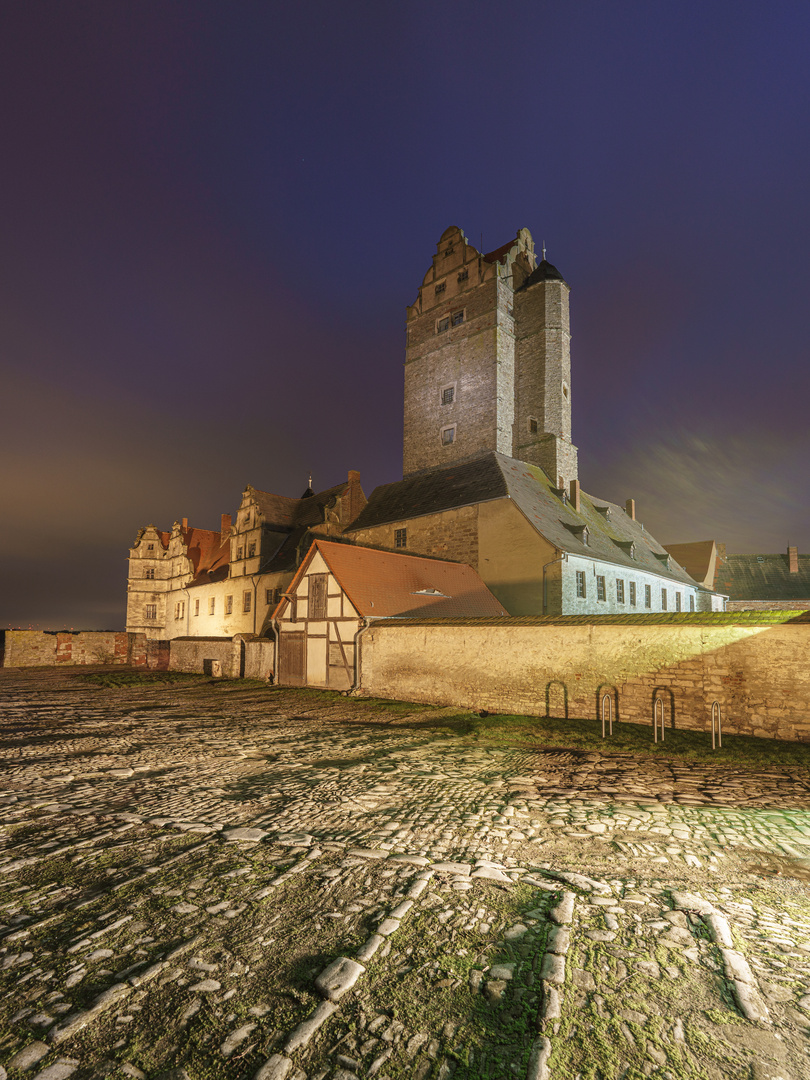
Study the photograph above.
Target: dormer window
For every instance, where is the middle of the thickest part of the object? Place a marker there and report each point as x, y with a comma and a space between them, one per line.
628, 547
580, 532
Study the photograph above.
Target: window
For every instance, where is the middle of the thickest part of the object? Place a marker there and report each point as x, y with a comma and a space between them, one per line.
317, 596
581, 583
246, 598
442, 324
272, 596
251, 549
239, 552
448, 435
448, 395
632, 594
229, 605
600, 587
179, 609
151, 611
212, 605
150, 547
196, 607
457, 318
692, 602
677, 601
619, 590
400, 538
463, 275
663, 599
440, 288
534, 427
150, 573
448, 250
648, 596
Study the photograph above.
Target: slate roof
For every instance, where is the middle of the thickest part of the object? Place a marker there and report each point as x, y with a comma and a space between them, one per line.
762, 577
544, 271
496, 476
384, 584
284, 513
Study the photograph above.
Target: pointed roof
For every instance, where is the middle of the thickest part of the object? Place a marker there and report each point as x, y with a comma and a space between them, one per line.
544, 271
384, 584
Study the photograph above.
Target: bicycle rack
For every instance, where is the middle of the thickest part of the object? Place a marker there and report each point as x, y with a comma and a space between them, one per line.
716, 719
609, 711
658, 701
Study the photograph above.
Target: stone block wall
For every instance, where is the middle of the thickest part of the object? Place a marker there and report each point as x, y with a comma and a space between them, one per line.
760, 674
32, 648
450, 534
195, 656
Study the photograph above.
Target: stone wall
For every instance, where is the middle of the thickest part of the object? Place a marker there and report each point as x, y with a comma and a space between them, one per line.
759, 671
199, 655
33, 648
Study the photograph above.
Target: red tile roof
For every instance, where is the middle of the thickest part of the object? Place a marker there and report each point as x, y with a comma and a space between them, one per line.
209, 554
499, 254
384, 584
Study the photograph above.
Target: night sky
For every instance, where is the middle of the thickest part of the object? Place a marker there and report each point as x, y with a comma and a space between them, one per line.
215, 214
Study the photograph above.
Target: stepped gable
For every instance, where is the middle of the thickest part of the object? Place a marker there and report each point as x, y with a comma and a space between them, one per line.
209, 554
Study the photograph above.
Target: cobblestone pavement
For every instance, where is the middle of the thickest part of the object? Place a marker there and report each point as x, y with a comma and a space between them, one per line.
227, 880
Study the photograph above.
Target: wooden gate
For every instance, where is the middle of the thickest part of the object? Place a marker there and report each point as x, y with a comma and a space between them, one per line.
292, 669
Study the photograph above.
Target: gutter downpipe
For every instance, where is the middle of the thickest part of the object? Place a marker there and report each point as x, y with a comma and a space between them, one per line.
366, 620
274, 624
562, 557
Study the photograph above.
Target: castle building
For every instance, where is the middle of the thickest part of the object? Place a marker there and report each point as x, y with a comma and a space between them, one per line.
202, 583
490, 474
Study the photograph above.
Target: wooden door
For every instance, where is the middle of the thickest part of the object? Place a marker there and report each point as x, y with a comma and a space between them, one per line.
292, 658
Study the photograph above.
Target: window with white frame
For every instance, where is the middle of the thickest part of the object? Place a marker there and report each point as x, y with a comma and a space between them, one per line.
619, 590
648, 596
581, 583
600, 587
212, 605
229, 605
632, 594
151, 611
246, 599
663, 599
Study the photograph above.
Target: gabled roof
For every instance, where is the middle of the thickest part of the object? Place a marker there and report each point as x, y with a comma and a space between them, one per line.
762, 577
697, 559
383, 584
495, 476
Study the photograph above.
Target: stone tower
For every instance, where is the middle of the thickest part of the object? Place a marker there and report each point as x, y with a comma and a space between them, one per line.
487, 363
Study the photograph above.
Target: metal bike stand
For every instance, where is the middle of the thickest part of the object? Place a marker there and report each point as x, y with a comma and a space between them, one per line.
658, 701
716, 719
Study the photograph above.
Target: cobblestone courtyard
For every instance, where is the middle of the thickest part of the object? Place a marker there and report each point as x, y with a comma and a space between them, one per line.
206, 879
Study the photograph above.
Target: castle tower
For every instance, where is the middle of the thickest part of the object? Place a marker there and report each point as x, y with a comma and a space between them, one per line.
542, 434
487, 363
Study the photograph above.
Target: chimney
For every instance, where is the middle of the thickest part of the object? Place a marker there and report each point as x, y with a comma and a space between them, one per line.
185, 524
793, 560
574, 495
354, 476
225, 527
630, 507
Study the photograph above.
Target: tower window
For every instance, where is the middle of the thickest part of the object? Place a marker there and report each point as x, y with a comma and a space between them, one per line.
442, 324
457, 318
448, 435
448, 394
534, 426
150, 573
400, 538
581, 583
600, 587
151, 611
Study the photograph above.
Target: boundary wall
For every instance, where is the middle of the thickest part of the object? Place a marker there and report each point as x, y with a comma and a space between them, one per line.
756, 666
245, 655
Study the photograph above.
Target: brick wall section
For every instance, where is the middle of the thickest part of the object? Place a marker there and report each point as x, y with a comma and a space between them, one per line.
759, 674
451, 534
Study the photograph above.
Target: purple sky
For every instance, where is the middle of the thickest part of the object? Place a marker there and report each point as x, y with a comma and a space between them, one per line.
214, 215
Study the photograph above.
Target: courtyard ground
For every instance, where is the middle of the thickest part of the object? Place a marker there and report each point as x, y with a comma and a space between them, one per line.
212, 879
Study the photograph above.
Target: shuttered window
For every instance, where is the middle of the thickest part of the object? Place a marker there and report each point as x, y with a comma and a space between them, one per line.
317, 596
